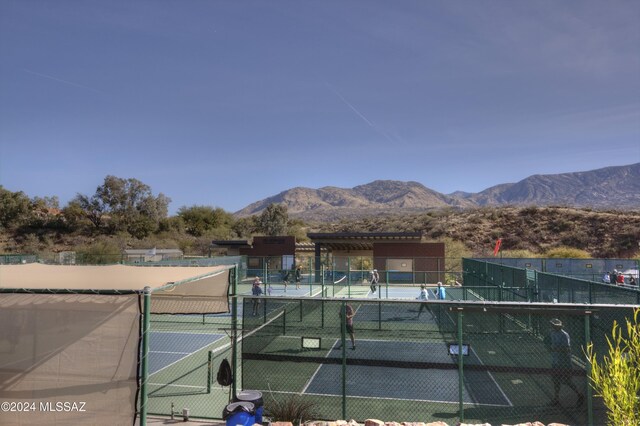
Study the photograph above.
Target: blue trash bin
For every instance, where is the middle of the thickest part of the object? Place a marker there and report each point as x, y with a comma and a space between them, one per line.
254, 397
240, 413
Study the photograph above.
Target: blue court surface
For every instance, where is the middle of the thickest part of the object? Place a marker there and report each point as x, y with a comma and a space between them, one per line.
167, 348
279, 290
372, 381
408, 293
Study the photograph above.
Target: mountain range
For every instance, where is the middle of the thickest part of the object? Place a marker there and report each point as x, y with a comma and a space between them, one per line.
616, 187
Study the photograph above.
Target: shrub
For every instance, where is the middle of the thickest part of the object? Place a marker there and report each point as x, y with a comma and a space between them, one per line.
291, 408
101, 252
520, 254
567, 253
616, 377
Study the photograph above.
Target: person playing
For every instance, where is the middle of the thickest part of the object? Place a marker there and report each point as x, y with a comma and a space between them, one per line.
441, 293
424, 296
606, 278
374, 280
559, 344
613, 277
298, 276
285, 279
349, 324
632, 280
620, 279
256, 290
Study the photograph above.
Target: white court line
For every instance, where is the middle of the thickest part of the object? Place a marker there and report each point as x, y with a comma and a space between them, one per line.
393, 399
304, 390
476, 355
188, 354
493, 379
488, 372
176, 386
169, 352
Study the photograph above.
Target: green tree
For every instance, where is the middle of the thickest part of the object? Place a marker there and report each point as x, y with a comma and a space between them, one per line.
92, 209
200, 220
616, 376
298, 229
128, 204
15, 209
454, 251
75, 217
274, 220
245, 226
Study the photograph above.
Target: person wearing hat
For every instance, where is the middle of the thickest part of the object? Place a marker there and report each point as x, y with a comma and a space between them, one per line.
374, 280
559, 344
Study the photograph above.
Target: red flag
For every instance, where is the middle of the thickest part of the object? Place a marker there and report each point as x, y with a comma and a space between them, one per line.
497, 248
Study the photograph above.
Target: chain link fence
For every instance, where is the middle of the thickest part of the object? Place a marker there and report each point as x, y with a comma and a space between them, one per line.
535, 286
584, 269
184, 352
403, 363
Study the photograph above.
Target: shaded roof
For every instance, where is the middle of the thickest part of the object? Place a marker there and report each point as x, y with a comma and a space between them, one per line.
99, 278
361, 240
152, 251
306, 247
231, 243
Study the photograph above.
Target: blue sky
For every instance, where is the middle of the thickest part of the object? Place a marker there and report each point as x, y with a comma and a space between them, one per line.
224, 103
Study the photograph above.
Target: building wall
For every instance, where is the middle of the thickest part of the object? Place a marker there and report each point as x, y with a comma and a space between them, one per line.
271, 246
408, 250
427, 256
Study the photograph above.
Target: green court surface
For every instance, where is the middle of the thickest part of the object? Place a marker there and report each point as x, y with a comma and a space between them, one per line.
401, 367
185, 352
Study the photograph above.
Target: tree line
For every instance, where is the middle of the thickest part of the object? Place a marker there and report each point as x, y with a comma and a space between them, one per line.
129, 209
126, 213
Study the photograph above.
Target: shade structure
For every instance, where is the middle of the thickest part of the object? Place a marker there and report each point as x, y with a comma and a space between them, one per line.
70, 336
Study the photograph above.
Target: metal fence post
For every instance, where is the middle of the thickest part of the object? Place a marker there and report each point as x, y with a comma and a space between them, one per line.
343, 338
145, 356
349, 277
587, 340
234, 329
460, 366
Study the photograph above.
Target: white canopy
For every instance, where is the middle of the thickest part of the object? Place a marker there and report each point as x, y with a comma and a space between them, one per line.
82, 347
111, 277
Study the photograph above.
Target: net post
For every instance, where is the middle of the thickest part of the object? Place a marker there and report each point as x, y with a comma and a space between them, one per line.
323, 296
460, 366
145, 356
284, 321
386, 280
209, 371
264, 311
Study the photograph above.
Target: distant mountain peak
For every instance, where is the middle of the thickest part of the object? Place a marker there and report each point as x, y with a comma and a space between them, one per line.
609, 187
